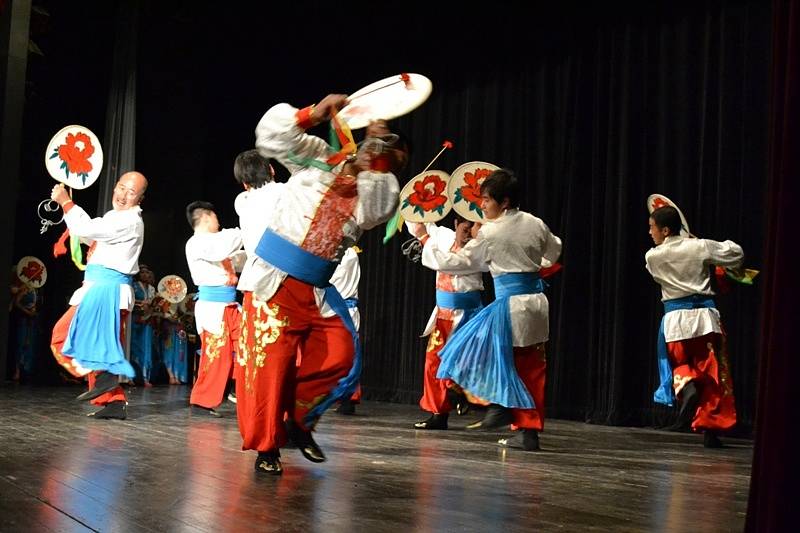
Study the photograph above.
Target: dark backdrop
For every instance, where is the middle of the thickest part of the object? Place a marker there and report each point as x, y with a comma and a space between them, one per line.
593, 108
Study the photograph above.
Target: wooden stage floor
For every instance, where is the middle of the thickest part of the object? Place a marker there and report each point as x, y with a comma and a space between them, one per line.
165, 469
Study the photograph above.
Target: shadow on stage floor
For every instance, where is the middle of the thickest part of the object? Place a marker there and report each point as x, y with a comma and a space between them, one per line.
166, 469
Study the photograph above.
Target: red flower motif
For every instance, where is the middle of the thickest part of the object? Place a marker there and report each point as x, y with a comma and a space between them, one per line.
658, 203
77, 159
471, 192
427, 193
33, 271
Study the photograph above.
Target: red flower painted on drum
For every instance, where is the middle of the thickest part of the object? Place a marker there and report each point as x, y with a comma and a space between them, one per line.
74, 157
427, 194
33, 271
471, 192
658, 203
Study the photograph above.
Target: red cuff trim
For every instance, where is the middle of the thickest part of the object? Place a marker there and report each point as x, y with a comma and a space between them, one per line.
304, 117
67, 206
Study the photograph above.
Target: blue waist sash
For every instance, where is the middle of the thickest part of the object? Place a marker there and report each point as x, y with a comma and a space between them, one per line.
93, 336
351, 303
479, 355
458, 300
220, 293
664, 393
316, 271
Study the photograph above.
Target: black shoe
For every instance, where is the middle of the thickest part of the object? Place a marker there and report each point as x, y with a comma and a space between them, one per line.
104, 383
206, 410
116, 410
304, 442
496, 416
346, 407
269, 463
459, 401
710, 440
689, 400
526, 439
436, 421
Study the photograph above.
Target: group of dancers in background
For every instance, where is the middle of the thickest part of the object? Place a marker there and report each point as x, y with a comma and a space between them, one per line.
292, 345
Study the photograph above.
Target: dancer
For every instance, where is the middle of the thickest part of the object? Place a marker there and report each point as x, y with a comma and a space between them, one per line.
289, 306
692, 346
499, 355
458, 298
142, 325
212, 255
88, 339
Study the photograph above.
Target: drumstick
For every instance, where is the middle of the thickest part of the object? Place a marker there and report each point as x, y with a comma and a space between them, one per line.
445, 146
403, 78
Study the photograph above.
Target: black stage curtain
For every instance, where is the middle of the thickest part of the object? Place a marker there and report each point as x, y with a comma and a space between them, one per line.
775, 461
119, 143
593, 118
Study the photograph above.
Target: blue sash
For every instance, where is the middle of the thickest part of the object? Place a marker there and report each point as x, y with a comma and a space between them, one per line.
468, 302
351, 303
316, 271
479, 356
220, 293
664, 393
93, 337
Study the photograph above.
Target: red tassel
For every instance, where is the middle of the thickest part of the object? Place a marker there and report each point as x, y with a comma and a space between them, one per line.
406, 80
723, 284
447, 144
58, 248
550, 271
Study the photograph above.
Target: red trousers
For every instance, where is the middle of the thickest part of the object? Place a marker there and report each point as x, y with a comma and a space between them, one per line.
271, 385
696, 360
434, 390
57, 340
531, 365
216, 360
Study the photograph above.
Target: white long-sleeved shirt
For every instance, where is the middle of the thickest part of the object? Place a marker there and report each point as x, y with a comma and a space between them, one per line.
118, 238
210, 257
445, 240
513, 242
345, 278
322, 212
681, 266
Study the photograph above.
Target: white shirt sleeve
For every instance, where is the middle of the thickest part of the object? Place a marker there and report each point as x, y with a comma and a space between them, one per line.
725, 254
107, 229
378, 196
278, 135
471, 258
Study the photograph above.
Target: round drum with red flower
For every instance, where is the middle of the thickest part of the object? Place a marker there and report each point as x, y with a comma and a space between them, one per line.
172, 288
424, 198
31, 271
464, 189
74, 157
386, 99
654, 201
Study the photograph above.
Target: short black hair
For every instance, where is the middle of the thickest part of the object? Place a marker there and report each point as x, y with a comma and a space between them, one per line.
196, 209
502, 184
252, 169
667, 217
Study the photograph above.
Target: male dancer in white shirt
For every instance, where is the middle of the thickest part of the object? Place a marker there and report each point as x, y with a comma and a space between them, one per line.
212, 255
499, 355
693, 359
88, 339
458, 298
301, 229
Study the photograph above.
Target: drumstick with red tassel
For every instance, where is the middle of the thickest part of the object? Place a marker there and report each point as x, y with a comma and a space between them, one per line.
404, 78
